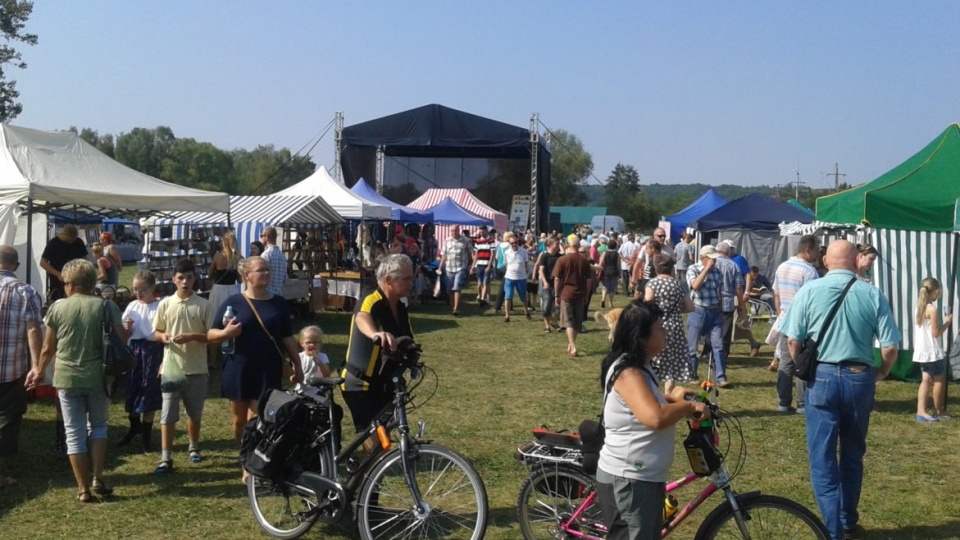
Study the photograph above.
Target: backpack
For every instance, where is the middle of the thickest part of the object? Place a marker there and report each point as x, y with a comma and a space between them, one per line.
272, 438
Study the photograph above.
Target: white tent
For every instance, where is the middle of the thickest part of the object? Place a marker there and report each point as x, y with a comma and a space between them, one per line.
52, 168
341, 199
43, 171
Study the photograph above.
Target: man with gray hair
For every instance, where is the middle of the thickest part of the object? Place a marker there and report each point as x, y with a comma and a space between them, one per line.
378, 323
20, 343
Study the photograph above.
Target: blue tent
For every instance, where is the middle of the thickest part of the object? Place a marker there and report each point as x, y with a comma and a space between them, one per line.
398, 212
754, 212
708, 202
447, 212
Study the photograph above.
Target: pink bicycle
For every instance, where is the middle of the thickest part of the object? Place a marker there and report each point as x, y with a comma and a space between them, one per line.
558, 499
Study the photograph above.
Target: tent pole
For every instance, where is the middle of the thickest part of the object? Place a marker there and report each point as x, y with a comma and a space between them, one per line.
952, 290
29, 253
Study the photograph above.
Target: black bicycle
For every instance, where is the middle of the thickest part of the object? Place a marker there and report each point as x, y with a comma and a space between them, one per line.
405, 487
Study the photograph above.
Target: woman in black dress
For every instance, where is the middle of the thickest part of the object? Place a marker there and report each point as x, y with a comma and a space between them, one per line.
257, 364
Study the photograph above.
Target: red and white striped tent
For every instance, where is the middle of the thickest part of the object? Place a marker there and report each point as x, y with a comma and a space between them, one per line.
464, 198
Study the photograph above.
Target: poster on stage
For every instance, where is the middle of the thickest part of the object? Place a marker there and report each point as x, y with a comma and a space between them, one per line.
520, 211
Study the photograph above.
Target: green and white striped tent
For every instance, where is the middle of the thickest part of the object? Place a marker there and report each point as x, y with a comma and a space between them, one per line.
909, 215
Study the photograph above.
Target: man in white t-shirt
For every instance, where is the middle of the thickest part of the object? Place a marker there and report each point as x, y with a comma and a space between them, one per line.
628, 255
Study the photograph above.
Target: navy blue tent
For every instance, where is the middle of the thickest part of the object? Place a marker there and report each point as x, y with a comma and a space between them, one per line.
752, 223
398, 212
753, 212
447, 212
708, 202
435, 131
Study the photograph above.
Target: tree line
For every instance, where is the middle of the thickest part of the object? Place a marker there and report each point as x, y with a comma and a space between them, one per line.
197, 164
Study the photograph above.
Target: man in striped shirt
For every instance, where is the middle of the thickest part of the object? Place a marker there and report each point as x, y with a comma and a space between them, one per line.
791, 275
20, 342
483, 254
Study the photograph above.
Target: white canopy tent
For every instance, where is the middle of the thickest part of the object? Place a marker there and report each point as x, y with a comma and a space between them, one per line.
345, 202
42, 171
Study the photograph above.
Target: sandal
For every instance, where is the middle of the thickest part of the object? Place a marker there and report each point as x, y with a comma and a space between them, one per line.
84, 497
195, 456
101, 489
164, 467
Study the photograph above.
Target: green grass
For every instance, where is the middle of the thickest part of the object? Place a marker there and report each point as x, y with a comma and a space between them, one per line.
496, 382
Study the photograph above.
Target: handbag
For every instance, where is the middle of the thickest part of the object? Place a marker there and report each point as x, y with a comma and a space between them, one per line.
805, 364
286, 364
118, 359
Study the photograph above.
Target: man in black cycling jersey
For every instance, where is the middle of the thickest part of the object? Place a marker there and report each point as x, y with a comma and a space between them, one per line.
380, 321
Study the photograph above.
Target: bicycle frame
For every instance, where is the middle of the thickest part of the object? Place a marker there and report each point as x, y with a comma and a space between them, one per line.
568, 526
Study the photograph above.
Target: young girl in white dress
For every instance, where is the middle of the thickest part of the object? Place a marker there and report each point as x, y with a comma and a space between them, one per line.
928, 351
312, 361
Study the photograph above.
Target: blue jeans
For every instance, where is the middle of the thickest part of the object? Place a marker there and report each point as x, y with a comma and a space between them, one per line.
703, 321
838, 405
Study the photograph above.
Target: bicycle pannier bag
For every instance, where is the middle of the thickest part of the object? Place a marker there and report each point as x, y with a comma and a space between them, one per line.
270, 439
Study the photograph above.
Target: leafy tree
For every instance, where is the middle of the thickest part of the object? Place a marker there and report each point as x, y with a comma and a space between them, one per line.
103, 144
13, 20
570, 166
144, 149
198, 165
622, 186
265, 170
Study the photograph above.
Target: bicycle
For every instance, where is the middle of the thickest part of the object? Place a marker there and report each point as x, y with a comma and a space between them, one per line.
558, 499
419, 490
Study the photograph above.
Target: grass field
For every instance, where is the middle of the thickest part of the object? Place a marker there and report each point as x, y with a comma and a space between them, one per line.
496, 382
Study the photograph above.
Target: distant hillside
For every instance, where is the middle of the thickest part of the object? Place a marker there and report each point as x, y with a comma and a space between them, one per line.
670, 198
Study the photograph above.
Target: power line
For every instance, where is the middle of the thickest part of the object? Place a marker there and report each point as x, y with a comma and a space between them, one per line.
565, 147
283, 165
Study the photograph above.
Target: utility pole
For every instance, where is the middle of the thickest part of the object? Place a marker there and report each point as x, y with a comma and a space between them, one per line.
797, 187
836, 176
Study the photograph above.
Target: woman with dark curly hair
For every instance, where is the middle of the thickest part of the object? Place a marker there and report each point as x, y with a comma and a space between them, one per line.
640, 426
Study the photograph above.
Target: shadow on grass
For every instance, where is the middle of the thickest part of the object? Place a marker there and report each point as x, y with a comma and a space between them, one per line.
897, 406
503, 517
925, 532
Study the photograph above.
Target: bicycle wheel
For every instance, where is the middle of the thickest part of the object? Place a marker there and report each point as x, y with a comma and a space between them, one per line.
280, 508
549, 497
452, 490
765, 517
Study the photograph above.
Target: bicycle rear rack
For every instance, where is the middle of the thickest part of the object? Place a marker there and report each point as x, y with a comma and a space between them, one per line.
534, 452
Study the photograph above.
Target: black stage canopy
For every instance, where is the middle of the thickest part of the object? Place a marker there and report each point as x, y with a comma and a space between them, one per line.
435, 131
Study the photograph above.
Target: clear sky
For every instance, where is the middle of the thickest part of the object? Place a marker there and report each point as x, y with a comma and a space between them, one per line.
711, 92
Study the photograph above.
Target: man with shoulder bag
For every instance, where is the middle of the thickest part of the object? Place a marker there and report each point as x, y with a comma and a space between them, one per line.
840, 394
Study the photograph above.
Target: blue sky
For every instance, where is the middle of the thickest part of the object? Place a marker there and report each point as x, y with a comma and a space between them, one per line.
711, 92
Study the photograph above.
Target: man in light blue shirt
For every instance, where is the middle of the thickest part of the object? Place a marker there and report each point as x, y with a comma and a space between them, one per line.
840, 398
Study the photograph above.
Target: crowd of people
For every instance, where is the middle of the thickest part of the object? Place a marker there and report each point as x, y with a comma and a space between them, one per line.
651, 346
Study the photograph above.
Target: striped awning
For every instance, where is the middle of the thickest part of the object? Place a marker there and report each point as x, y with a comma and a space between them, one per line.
464, 198
797, 228
270, 209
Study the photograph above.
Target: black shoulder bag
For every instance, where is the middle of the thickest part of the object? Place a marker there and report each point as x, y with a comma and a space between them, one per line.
805, 364
592, 432
118, 359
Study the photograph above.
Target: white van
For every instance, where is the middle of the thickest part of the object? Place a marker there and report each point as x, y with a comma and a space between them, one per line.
604, 224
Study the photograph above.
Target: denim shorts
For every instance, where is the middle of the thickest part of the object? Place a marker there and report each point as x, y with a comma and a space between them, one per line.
456, 281
933, 369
